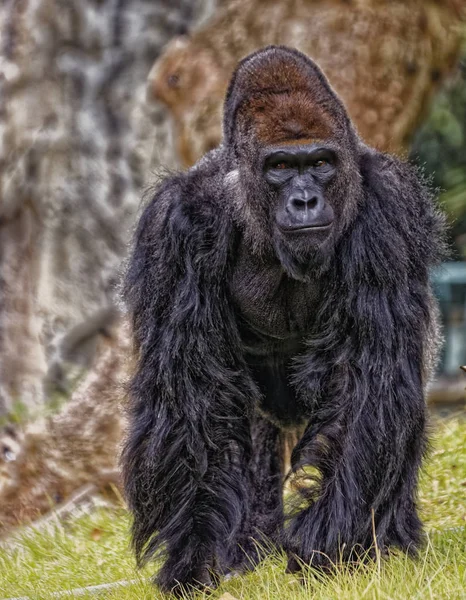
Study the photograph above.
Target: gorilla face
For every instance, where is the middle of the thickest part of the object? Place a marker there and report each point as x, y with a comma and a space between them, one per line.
300, 176
304, 185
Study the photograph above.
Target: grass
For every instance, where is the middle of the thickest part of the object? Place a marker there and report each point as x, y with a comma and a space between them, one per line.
93, 549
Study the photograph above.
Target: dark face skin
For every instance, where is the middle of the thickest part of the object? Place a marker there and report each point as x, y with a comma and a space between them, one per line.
300, 176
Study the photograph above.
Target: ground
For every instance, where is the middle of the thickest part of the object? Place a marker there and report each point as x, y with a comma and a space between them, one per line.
93, 549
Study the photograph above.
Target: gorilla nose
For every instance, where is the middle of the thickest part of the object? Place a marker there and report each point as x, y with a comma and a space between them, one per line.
305, 209
303, 204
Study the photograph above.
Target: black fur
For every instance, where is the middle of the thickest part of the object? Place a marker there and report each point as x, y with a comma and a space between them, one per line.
239, 331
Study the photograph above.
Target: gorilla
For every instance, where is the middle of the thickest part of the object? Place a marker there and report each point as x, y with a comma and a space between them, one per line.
280, 282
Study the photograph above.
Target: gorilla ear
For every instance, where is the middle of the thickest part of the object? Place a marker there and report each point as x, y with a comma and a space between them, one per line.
372, 167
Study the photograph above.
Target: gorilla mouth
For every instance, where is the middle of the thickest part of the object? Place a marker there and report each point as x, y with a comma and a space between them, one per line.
304, 228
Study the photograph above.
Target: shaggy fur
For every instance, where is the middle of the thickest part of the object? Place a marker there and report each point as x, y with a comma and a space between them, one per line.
240, 331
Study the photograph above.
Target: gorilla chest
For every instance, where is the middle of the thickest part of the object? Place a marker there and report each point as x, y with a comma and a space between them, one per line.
274, 313
272, 309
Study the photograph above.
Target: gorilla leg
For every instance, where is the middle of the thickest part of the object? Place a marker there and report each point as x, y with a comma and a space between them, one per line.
366, 439
266, 472
265, 524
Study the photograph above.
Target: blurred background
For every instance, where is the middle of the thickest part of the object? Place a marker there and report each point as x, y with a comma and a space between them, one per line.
99, 96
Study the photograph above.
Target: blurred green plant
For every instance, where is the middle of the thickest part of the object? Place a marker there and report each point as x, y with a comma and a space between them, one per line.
440, 148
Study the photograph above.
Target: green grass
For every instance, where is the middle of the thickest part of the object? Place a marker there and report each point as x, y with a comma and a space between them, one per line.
93, 549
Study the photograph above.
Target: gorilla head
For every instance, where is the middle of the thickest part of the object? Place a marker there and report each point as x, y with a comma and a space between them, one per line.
296, 154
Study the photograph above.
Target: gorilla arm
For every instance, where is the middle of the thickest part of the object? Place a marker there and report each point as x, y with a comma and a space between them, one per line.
366, 368
189, 434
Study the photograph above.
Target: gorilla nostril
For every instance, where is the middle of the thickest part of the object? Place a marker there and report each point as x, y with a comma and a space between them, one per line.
298, 203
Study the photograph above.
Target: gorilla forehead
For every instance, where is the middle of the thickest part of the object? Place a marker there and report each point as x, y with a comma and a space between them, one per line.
280, 95
284, 118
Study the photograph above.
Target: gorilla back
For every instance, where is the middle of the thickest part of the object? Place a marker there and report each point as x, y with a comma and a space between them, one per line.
282, 280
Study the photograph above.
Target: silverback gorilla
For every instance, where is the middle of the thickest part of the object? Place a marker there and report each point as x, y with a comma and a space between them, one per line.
281, 281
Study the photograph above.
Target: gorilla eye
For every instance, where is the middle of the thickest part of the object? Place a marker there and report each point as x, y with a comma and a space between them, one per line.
322, 162
281, 165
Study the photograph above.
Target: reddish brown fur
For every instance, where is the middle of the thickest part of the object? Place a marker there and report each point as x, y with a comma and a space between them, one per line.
271, 118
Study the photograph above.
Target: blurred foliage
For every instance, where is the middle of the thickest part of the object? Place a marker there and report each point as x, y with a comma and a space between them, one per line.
440, 146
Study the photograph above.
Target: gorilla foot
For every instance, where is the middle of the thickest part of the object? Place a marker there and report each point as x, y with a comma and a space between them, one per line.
200, 579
